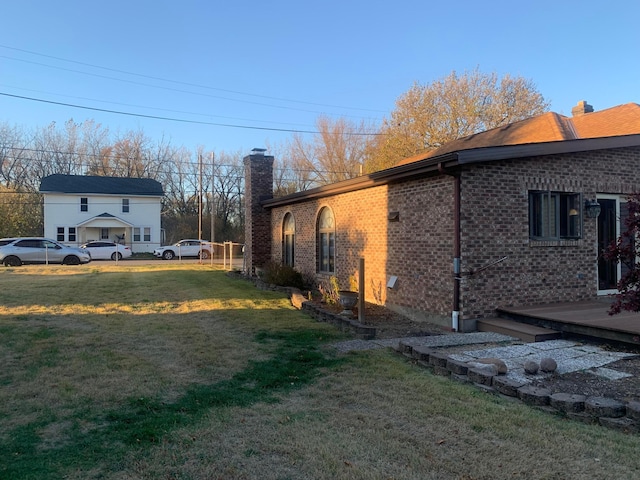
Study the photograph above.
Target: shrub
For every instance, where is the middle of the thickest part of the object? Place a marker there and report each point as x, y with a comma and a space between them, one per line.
330, 291
282, 275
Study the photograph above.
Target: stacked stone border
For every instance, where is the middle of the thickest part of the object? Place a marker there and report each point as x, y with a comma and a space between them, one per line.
618, 415
298, 300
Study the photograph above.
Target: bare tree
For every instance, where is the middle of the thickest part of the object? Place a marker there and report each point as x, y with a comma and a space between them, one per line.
336, 152
428, 116
14, 156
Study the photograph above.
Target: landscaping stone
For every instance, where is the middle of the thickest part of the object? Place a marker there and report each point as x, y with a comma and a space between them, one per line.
604, 407
633, 410
457, 367
507, 386
582, 417
438, 359
531, 367
548, 365
441, 371
500, 365
460, 378
623, 424
405, 348
421, 353
482, 376
568, 403
532, 395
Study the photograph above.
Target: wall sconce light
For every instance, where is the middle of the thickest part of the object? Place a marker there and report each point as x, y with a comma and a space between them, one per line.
592, 208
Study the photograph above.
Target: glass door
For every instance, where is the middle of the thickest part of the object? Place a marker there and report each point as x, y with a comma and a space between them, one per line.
610, 222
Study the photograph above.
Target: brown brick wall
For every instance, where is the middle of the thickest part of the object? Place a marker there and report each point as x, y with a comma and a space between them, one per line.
419, 247
494, 224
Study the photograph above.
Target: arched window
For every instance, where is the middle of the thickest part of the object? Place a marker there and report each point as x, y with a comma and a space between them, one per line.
288, 239
326, 241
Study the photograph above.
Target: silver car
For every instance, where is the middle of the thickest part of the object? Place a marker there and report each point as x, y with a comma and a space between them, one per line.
17, 251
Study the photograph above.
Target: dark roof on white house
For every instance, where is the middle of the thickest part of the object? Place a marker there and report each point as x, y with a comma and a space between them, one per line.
78, 184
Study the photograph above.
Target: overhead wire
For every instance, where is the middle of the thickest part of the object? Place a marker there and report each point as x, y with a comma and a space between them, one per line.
178, 81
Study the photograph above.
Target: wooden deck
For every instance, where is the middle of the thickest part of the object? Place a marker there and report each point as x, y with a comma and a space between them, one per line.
589, 319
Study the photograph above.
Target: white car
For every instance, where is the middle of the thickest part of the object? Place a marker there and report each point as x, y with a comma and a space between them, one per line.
16, 251
103, 250
185, 248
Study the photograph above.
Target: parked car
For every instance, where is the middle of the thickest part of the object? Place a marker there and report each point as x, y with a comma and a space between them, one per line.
185, 248
16, 251
103, 250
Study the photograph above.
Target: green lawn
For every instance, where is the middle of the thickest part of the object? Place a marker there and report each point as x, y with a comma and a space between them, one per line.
173, 371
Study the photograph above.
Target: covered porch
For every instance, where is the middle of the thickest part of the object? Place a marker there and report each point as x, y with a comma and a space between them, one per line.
105, 227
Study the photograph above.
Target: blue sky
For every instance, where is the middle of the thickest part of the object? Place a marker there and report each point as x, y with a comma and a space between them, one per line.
252, 70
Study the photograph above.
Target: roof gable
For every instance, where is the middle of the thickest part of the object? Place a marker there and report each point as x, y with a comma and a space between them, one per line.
87, 184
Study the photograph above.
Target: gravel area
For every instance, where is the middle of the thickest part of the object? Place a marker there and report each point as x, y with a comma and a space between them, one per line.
618, 379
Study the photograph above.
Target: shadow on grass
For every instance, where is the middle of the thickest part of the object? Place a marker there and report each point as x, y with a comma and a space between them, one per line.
143, 422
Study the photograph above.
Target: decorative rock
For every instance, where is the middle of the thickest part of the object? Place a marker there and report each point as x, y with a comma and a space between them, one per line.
532, 395
489, 367
531, 367
548, 365
501, 366
482, 376
567, 403
604, 407
507, 386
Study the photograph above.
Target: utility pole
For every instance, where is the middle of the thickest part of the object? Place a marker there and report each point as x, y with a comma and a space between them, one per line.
213, 203
200, 197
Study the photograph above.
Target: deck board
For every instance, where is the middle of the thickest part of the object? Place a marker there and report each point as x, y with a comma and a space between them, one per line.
589, 317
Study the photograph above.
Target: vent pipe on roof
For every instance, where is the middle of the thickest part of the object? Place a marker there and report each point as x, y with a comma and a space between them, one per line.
581, 108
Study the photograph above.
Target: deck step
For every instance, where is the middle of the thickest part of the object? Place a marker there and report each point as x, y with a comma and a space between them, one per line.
523, 331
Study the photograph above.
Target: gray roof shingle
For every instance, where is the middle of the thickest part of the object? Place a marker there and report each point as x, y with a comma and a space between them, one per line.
59, 183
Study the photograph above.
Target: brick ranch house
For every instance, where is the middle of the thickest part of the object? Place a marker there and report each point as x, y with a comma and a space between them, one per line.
513, 216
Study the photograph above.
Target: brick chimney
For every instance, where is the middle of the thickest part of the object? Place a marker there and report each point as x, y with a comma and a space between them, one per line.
258, 181
581, 108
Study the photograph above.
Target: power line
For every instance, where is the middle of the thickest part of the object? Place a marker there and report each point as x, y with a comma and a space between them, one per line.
180, 120
173, 81
143, 106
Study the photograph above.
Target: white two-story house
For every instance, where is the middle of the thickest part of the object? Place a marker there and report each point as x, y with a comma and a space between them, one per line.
79, 209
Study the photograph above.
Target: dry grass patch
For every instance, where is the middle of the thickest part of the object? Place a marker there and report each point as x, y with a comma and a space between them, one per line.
125, 353
178, 372
379, 417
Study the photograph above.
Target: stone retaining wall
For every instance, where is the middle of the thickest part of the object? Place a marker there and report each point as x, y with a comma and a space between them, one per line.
622, 416
344, 323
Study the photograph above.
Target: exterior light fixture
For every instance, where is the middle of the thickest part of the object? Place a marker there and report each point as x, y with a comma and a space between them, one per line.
592, 208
